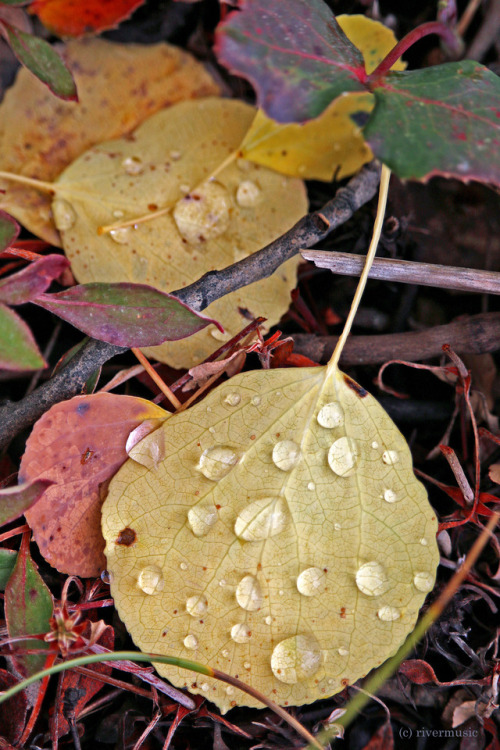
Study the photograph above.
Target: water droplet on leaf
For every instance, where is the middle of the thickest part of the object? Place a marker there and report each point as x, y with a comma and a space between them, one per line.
191, 641
331, 415
201, 518
424, 582
150, 580
64, 214
390, 496
371, 579
286, 454
390, 457
197, 605
388, 614
249, 594
240, 633
204, 214
133, 165
121, 235
311, 581
232, 399
262, 519
297, 658
248, 194
216, 462
343, 456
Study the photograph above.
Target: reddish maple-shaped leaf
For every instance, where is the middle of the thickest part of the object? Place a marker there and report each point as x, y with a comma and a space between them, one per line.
443, 120
31, 281
125, 314
294, 53
75, 18
79, 444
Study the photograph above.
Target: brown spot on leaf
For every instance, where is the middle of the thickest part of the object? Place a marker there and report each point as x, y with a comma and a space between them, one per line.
86, 456
126, 537
355, 386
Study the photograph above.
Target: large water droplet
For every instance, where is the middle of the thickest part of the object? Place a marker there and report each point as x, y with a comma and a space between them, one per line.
371, 579
197, 605
203, 214
132, 165
390, 457
297, 658
390, 496
240, 633
248, 194
201, 518
219, 335
64, 214
424, 582
216, 462
331, 415
191, 641
286, 454
311, 581
232, 399
249, 594
121, 235
343, 456
150, 580
388, 614
262, 519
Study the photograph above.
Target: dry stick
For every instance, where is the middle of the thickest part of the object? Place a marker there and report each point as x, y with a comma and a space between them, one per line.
475, 334
313, 227
408, 272
156, 379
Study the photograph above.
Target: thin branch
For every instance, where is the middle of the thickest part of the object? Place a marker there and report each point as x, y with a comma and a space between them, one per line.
68, 382
475, 334
407, 272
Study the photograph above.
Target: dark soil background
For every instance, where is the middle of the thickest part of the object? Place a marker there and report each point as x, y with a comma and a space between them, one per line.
443, 222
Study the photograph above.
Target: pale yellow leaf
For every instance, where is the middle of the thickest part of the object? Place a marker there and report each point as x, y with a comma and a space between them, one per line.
119, 86
211, 224
331, 144
283, 538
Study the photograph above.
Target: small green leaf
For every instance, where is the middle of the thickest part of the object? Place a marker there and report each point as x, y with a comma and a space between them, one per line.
125, 314
18, 349
14, 501
441, 120
294, 53
9, 229
8, 559
28, 609
43, 61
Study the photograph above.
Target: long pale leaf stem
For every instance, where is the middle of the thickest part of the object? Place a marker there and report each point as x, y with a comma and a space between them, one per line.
44, 187
377, 230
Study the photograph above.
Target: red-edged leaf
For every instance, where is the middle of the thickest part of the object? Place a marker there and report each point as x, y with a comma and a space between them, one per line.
75, 18
443, 120
294, 53
14, 501
79, 444
24, 285
383, 738
18, 349
28, 609
25, 249
12, 712
42, 60
418, 671
125, 314
87, 686
7, 561
9, 229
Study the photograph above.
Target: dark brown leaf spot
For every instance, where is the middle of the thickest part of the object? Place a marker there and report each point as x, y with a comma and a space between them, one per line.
355, 386
127, 537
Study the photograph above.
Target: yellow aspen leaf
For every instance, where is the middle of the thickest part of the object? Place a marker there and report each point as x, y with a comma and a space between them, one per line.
119, 86
283, 538
332, 144
202, 224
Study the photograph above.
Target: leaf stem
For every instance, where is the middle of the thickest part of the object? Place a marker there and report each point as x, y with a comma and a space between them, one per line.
433, 27
370, 255
44, 187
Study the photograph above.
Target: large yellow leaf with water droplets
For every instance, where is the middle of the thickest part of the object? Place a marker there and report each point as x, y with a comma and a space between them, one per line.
283, 538
119, 85
212, 223
332, 144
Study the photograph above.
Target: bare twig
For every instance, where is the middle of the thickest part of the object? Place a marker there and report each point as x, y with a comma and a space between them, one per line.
476, 334
426, 274
68, 382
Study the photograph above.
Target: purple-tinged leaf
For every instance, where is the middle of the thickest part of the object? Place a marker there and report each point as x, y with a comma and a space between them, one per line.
28, 609
8, 559
9, 229
42, 60
443, 120
12, 712
125, 314
32, 280
18, 349
14, 501
294, 53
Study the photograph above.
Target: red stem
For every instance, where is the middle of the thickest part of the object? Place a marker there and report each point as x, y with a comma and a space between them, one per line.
433, 27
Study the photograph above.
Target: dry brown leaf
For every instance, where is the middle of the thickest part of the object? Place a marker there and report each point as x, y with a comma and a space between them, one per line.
119, 86
206, 225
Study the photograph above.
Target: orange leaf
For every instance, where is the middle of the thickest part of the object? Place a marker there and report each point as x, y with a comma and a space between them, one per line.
79, 444
74, 18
